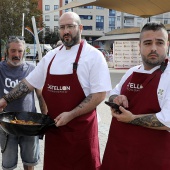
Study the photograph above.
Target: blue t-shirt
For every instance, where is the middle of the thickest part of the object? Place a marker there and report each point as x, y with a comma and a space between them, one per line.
9, 78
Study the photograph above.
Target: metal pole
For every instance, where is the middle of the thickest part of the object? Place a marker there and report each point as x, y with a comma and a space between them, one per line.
0, 40
36, 38
34, 50
23, 15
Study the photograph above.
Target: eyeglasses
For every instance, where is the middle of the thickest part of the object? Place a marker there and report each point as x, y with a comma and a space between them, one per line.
69, 27
15, 37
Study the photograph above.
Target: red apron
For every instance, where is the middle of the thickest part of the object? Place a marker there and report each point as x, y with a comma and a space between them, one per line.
74, 146
132, 147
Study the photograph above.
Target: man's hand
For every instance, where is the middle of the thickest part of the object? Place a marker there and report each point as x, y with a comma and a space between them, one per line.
63, 118
121, 100
126, 116
3, 104
146, 120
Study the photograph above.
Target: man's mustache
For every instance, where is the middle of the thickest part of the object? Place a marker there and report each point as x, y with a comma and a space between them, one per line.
15, 58
66, 35
153, 53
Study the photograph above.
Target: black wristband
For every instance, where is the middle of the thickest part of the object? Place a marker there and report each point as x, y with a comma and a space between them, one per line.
4, 97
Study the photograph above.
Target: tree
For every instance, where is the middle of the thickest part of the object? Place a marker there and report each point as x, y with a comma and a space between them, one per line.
51, 38
11, 17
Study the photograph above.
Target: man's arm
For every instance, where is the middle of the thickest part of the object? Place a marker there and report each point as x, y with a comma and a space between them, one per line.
149, 121
42, 104
20, 90
146, 120
87, 105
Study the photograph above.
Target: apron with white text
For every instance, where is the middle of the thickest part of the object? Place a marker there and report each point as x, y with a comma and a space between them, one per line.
74, 146
132, 147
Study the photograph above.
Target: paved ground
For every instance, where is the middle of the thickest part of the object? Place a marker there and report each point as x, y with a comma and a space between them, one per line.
105, 118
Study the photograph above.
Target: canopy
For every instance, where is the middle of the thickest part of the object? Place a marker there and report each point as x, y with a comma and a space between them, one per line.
142, 8
119, 37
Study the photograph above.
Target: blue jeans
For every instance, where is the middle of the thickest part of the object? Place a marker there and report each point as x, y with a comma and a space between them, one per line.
29, 150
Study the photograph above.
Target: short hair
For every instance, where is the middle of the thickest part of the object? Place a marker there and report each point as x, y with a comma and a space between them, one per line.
15, 39
153, 26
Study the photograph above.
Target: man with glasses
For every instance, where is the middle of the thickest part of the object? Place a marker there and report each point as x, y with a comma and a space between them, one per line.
12, 71
75, 79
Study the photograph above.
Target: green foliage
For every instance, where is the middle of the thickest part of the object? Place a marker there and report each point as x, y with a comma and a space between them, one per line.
11, 14
51, 38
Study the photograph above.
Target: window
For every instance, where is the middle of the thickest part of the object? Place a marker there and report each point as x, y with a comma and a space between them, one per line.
47, 29
55, 29
99, 22
98, 7
88, 17
47, 7
88, 7
47, 18
55, 7
111, 12
87, 27
128, 21
165, 21
111, 22
56, 17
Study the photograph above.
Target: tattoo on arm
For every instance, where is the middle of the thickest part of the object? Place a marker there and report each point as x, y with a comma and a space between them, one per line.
86, 100
147, 121
20, 90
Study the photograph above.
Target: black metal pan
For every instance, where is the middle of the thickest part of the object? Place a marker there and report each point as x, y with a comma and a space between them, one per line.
44, 121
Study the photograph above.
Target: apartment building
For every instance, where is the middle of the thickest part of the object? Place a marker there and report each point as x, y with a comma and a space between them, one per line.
50, 16
124, 20
97, 21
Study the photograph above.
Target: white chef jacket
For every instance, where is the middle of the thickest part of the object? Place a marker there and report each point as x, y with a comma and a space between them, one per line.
92, 71
163, 91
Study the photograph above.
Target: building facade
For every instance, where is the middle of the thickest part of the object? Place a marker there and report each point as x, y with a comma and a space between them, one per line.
97, 21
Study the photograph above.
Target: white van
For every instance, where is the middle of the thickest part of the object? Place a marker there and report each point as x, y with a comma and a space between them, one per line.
31, 50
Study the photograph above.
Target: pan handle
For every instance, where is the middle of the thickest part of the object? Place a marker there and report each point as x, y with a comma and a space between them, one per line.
41, 136
3, 112
51, 124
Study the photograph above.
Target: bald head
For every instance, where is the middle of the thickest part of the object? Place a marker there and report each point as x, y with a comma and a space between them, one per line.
72, 16
70, 29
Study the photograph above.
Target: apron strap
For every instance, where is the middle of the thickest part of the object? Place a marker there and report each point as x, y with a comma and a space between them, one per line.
75, 64
164, 65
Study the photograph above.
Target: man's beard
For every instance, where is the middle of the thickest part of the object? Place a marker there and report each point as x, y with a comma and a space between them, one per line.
153, 63
72, 42
13, 61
